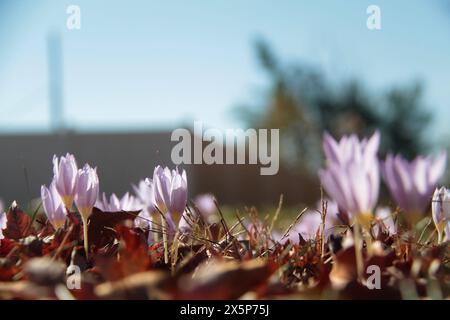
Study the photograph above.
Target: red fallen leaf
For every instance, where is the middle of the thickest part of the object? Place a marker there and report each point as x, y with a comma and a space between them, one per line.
73, 218
63, 241
25, 290
33, 246
189, 263
44, 271
144, 285
357, 291
88, 282
6, 245
383, 261
101, 225
225, 280
276, 289
78, 258
8, 269
156, 252
132, 257
47, 230
404, 266
344, 268
18, 225
134, 254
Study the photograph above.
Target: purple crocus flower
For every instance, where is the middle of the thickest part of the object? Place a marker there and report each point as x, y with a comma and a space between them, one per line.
307, 227
170, 190
185, 224
205, 204
86, 190
145, 192
3, 222
206, 207
144, 221
126, 203
385, 222
351, 177
309, 224
440, 208
53, 205
111, 205
65, 176
3, 219
130, 203
411, 184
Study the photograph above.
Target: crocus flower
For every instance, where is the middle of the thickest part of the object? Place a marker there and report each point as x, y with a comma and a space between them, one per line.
440, 208
86, 196
186, 222
259, 230
144, 191
86, 190
130, 203
351, 177
126, 203
144, 221
111, 205
310, 223
383, 216
411, 184
205, 204
3, 222
307, 227
170, 189
53, 205
65, 176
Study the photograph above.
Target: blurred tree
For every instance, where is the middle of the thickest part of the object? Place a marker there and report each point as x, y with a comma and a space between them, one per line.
405, 122
302, 103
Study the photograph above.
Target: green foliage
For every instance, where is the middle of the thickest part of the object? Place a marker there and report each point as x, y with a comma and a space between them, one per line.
303, 103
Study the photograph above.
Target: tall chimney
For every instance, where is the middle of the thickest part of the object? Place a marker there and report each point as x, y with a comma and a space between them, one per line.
55, 82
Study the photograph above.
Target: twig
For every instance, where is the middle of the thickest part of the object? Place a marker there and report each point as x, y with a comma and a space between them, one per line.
33, 217
227, 230
293, 223
277, 213
423, 231
222, 219
174, 251
323, 215
61, 246
287, 231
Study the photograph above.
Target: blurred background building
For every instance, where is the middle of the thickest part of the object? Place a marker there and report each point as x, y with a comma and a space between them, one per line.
112, 91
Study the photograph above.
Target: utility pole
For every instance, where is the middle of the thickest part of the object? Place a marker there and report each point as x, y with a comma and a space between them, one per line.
55, 82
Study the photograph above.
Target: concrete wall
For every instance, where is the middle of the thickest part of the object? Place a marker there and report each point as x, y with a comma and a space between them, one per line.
125, 158
121, 159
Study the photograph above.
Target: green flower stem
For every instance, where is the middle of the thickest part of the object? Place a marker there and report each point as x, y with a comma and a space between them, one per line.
164, 234
358, 250
85, 233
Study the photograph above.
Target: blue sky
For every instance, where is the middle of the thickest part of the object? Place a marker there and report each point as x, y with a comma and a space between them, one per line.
147, 64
